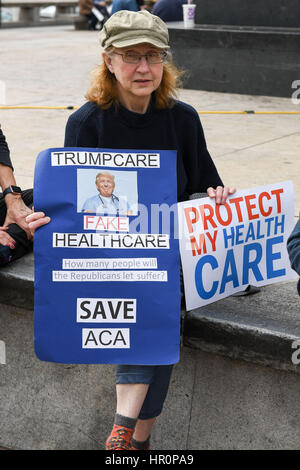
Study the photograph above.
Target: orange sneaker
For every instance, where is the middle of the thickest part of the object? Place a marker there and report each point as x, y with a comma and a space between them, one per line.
119, 438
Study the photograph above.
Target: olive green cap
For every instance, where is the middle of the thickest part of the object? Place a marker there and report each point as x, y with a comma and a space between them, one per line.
128, 28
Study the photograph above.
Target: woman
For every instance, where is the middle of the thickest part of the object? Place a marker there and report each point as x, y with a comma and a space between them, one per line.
131, 105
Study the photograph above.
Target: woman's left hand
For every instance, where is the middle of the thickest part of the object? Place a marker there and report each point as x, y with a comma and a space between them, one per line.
36, 220
220, 194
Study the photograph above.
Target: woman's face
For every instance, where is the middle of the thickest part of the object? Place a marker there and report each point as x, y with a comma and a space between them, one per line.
135, 81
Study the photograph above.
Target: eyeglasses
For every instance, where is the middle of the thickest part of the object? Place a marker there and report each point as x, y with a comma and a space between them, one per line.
151, 57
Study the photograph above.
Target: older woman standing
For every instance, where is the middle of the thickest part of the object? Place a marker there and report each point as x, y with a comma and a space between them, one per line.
131, 105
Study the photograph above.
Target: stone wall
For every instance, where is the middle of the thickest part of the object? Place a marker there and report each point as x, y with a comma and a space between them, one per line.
275, 13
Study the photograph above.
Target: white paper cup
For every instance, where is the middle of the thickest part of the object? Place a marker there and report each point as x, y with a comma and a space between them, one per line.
189, 15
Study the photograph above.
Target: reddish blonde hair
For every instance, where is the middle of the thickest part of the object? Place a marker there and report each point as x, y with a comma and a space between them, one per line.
103, 90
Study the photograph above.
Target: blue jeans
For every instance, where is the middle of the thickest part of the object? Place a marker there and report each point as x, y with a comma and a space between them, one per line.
124, 5
158, 378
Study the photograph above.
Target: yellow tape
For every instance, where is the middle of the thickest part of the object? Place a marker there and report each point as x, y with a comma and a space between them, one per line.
199, 112
39, 107
249, 112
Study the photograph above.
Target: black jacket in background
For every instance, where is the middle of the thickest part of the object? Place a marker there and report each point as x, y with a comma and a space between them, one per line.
293, 246
4, 151
169, 10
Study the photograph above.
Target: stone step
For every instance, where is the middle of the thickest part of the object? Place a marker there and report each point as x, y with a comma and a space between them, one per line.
259, 328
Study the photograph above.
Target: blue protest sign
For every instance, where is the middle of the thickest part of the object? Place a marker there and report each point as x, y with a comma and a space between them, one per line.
107, 286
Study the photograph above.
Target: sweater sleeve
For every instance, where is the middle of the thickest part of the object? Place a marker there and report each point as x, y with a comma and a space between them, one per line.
293, 246
4, 151
81, 128
199, 167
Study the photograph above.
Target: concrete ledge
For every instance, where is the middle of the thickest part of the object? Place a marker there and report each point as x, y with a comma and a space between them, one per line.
16, 283
257, 328
30, 12
237, 59
60, 21
267, 13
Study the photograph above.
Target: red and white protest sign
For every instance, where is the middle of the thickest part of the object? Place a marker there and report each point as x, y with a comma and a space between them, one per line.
224, 248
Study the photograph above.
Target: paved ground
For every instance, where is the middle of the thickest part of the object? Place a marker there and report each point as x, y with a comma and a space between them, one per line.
52, 65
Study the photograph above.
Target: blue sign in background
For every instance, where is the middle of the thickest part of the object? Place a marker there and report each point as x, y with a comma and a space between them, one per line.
155, 337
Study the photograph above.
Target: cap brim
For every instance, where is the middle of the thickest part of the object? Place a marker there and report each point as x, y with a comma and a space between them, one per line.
140, 40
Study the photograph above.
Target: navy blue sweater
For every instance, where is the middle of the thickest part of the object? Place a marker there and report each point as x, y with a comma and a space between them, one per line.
177, 128
4, 151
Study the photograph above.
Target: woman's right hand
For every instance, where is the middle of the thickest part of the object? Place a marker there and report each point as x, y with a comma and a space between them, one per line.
36, 220
6, 239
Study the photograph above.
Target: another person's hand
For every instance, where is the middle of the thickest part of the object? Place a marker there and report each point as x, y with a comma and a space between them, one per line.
6, 239
220, 194
17, 212
36, 220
